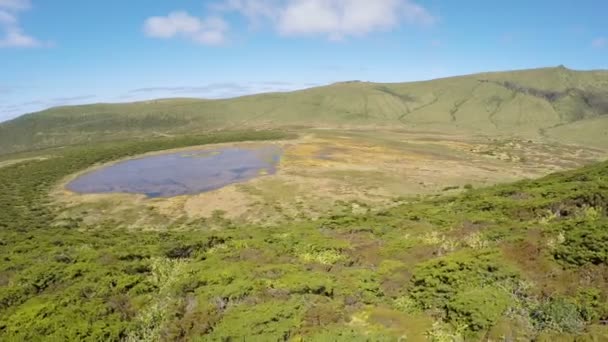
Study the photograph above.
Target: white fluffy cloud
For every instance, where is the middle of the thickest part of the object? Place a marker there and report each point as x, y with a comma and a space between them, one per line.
254, 10
211, 30
335, 19
11, 33
341, 18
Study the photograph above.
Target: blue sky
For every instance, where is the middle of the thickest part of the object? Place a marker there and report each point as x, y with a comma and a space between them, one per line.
57, 52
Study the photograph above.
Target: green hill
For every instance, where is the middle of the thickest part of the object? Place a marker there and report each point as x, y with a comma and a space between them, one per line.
555, 103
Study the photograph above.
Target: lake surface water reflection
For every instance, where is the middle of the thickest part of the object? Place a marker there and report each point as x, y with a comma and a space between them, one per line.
180, 173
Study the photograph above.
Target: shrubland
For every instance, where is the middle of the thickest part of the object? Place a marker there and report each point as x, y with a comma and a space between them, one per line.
523, 261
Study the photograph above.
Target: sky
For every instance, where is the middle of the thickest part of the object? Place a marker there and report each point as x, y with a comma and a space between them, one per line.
62, 52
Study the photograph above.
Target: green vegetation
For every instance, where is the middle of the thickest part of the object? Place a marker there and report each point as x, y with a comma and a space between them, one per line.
555, 103
527, 260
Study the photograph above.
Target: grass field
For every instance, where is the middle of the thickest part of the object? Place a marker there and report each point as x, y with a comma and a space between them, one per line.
422, 269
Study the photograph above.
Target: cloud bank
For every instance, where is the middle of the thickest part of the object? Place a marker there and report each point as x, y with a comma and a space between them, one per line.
219, 90
9, 111
331, 19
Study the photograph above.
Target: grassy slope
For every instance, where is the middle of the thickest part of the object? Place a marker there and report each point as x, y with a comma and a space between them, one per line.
553, 102
521, 261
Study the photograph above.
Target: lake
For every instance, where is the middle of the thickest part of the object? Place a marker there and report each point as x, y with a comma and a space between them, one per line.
180, 173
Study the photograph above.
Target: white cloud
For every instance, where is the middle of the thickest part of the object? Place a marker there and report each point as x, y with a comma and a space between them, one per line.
215, 90
7, 19
11, 33
15, 4
14, 37
335, 19
600, 42
254, 10
210, 31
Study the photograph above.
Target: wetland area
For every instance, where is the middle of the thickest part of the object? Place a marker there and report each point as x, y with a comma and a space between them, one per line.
317, 174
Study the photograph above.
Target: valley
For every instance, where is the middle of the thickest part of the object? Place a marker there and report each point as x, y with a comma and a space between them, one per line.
462, 209
303, 171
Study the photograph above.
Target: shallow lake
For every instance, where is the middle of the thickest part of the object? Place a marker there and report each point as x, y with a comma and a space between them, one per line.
180, 173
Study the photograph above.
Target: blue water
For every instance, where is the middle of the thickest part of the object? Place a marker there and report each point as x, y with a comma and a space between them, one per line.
180, 173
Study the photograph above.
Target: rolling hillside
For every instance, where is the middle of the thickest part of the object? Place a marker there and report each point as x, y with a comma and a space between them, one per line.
555, 103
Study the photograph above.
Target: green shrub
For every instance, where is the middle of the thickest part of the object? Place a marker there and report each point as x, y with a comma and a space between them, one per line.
585, 242
559, 315
438, 281
479, 308
270, 321
592, 304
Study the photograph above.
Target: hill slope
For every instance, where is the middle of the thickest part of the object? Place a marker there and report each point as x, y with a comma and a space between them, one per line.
524, 261
557, 103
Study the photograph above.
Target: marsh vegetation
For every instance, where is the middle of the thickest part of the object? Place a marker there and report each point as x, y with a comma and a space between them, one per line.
320, 173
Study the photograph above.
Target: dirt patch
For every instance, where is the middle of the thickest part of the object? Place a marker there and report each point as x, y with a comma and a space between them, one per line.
234, 202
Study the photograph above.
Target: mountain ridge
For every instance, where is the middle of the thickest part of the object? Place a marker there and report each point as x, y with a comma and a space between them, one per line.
552, 103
